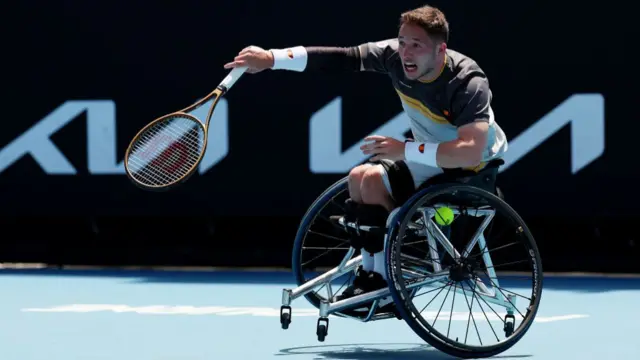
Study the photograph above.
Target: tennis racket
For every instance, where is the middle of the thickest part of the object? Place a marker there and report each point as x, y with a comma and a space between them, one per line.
168, 150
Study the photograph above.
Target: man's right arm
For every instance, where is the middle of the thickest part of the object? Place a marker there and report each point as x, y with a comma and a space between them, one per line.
365, 57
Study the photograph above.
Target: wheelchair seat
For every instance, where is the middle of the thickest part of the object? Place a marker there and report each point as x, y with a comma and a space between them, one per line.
484, 178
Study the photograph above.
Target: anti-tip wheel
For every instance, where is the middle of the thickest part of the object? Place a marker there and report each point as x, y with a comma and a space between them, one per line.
509, 325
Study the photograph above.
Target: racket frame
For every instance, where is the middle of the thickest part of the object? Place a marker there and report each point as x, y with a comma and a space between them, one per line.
216, 95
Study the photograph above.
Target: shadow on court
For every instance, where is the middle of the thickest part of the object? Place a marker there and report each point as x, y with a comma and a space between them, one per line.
584, 284
376, 352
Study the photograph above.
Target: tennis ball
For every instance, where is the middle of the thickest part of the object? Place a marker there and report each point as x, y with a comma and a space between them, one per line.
444, 216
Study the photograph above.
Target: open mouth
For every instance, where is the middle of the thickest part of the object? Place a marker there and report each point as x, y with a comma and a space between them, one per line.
410, 67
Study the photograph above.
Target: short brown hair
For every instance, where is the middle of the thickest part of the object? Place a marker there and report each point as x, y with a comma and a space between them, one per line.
431, 19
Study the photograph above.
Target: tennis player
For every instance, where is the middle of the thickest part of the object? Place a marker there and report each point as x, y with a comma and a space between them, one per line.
447, 97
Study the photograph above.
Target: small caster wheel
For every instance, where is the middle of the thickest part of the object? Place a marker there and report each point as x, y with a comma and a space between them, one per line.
285, 316
322, 332
322, 329
509, 325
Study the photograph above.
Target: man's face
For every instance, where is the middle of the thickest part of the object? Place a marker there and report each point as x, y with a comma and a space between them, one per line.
417, 51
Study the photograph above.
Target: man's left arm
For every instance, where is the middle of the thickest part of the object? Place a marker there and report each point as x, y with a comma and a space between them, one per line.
471, 107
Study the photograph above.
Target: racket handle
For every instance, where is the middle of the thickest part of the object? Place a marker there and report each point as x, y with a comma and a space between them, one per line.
232, 77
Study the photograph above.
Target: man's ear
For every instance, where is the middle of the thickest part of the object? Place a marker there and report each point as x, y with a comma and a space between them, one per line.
442, 47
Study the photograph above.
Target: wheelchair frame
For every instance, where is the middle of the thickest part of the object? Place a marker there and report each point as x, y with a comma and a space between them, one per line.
439, 275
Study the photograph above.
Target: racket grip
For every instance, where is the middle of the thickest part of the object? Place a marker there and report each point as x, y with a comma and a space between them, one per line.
232, 77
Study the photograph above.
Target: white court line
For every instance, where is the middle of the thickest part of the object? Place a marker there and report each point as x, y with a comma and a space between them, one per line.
253, 311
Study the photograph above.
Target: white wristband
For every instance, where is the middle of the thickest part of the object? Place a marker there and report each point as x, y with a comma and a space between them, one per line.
423, 153
294, 58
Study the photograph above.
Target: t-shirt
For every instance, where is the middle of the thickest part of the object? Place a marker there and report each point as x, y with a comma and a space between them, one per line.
458, 96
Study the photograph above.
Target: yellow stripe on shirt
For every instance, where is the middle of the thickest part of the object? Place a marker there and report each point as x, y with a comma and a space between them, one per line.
420, 107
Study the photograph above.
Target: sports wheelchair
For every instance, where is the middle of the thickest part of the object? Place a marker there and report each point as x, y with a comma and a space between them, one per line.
427, 258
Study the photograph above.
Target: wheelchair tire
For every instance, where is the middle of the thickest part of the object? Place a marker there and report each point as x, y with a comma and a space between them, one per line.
404, 300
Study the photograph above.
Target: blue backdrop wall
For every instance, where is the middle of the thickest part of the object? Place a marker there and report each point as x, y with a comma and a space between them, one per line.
82, 77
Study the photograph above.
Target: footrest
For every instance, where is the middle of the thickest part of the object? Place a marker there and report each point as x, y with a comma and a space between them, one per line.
373, 313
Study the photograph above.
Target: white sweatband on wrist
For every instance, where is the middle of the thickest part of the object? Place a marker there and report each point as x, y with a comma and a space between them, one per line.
294, 58
422, 153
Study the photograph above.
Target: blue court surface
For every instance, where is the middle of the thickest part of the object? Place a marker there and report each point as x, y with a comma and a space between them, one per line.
164, 315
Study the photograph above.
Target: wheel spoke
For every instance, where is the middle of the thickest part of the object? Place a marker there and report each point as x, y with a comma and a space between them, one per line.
426, 292
485, 251
475, 325
509, 263
324, 253
441, 306
455, 287
475, 293
507, 298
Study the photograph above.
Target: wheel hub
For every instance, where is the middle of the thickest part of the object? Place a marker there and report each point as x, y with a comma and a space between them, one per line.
462, 271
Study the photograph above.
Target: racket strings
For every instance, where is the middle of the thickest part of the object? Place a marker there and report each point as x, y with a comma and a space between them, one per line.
166, 152
162, 139
172, 157
167, 166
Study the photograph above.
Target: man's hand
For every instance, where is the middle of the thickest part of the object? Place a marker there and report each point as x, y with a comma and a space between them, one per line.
384, 148
254, 58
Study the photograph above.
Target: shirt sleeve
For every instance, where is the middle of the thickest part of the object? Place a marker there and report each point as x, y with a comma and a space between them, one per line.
378, 56
472, 102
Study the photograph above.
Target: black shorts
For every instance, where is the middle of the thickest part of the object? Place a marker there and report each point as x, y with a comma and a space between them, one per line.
400, 180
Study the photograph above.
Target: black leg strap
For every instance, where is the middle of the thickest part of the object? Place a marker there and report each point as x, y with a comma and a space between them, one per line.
351, 216
374, 216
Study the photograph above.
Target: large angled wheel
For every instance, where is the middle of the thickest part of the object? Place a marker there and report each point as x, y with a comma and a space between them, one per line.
321, 244
470, 288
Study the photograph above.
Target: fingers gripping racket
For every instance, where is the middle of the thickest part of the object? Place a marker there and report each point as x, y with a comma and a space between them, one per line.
168, 150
